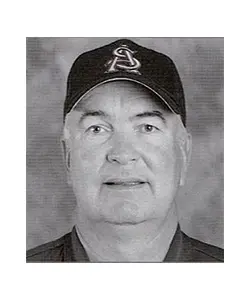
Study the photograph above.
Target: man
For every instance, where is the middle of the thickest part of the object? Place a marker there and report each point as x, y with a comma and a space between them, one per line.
126, 151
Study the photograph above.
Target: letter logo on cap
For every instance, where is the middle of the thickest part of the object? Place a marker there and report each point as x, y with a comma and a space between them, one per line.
123, 60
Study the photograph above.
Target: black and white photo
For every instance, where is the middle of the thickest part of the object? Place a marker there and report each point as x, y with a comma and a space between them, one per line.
125, 149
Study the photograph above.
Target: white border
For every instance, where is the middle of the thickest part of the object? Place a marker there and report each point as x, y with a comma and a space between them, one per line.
126, 281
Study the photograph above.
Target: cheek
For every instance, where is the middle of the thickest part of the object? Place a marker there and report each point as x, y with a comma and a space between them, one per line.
85, 166
164, 163
87, 162
160, 154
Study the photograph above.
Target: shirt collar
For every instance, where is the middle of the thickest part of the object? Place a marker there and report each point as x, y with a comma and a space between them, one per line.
180, 248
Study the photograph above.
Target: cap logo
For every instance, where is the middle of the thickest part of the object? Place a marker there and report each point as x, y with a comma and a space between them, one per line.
123, 60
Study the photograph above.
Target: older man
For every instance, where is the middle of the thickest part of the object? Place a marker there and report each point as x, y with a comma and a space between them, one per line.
126, 152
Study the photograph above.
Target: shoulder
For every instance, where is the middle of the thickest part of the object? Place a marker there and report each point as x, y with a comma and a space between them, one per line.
203, 252
52, 251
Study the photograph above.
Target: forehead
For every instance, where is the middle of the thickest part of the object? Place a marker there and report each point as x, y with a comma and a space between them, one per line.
126, 95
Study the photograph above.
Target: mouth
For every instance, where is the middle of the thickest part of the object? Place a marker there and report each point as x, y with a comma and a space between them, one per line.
125, 183
126, 224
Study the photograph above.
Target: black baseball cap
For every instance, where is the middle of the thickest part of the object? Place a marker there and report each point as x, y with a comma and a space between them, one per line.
126, 60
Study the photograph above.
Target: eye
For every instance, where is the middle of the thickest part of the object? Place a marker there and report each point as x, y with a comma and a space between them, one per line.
147, 128
97, 129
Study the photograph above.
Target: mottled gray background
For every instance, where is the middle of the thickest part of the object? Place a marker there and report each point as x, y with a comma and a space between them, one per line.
51, 203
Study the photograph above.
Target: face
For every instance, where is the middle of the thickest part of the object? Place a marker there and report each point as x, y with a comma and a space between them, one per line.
124, 158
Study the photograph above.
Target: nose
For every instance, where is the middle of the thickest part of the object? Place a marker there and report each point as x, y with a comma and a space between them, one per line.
122, 152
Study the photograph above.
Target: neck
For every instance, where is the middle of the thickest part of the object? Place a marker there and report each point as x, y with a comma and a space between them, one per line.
145, 242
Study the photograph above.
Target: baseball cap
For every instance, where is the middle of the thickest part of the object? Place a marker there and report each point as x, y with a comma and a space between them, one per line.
126, 60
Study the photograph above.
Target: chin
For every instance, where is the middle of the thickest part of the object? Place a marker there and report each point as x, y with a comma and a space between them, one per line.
123, 220
126, 212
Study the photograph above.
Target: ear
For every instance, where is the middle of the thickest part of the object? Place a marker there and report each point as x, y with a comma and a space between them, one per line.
186, 149
66, 158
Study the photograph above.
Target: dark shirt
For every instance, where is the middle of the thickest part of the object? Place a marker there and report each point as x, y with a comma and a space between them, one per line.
68, 248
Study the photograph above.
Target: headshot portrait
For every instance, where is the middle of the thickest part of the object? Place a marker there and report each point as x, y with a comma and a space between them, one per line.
124, 153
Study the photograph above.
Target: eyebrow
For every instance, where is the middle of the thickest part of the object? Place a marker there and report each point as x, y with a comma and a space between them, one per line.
154, 113
92, 113
100, 113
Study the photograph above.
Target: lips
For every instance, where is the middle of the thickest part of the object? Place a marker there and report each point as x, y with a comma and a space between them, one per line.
124, 182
